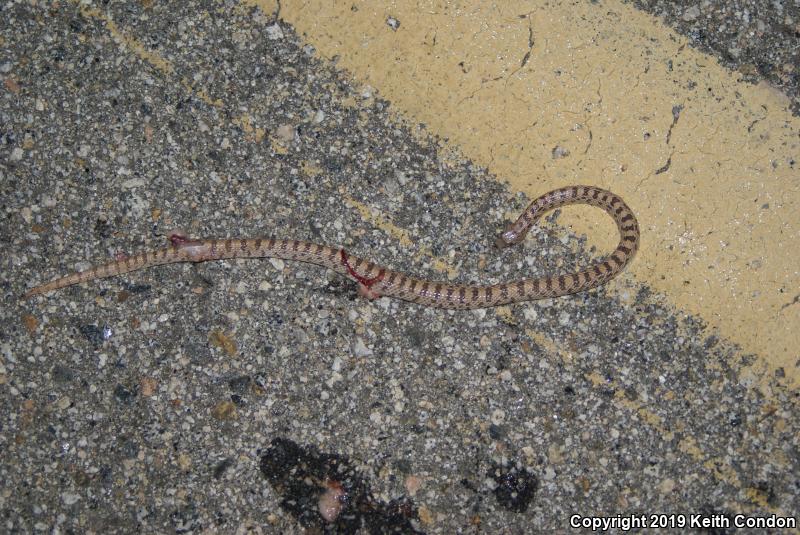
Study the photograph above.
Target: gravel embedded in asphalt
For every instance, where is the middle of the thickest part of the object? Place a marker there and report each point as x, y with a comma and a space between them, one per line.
155, 401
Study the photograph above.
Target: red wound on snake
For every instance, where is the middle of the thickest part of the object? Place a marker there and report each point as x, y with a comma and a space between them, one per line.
177, 237
365, 284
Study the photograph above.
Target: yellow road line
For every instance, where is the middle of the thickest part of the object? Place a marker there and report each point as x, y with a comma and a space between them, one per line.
549, 95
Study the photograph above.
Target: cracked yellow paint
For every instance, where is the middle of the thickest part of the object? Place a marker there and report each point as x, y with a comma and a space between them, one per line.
600, 93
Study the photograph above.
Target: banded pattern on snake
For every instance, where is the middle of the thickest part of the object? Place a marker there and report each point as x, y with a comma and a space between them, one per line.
375, 280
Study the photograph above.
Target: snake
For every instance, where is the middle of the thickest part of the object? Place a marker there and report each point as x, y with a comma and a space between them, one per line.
375, 280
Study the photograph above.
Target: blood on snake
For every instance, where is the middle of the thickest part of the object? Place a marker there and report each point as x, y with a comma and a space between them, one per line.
374, 280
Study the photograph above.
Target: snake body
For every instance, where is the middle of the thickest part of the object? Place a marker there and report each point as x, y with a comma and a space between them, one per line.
377, 280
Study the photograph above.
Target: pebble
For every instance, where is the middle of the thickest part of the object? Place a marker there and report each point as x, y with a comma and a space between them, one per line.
498, 416
274, 32
133, 183
70, 498
412, 484
559, 152
691, 14
360, 349
285, 133
385, 303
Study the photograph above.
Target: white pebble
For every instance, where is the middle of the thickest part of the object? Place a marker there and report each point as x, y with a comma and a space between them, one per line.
264, 286
274, 32
667, 486
691, 14
498, 416
360, 349
70, 498
285, 133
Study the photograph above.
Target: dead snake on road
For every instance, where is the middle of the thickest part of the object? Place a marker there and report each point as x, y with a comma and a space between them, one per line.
374, 280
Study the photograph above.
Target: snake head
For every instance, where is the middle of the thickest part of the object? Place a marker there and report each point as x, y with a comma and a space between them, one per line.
507, 239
